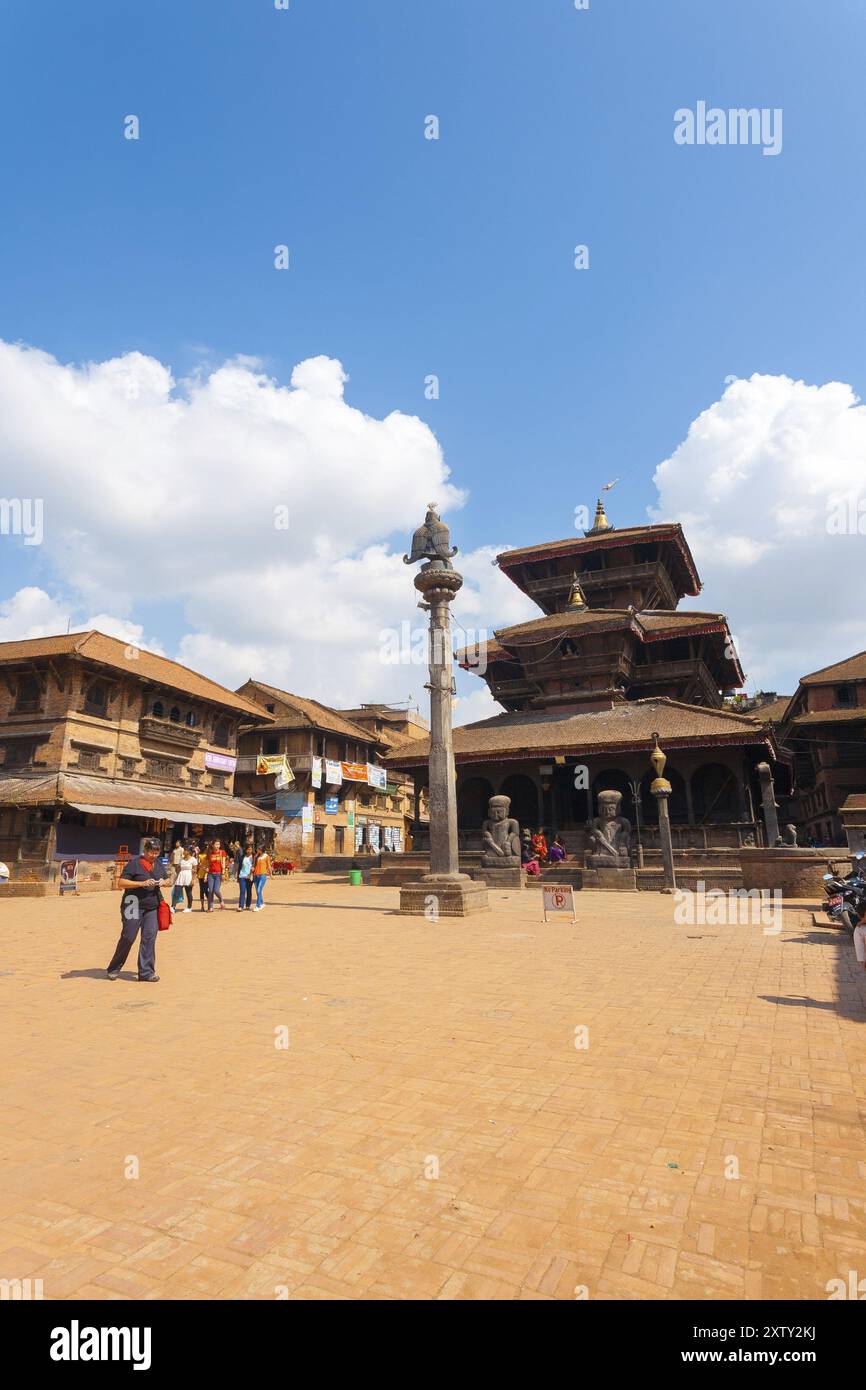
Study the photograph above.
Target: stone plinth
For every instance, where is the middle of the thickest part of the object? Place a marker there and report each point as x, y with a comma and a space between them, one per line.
796, 872
610, 880
443, 897
502, 878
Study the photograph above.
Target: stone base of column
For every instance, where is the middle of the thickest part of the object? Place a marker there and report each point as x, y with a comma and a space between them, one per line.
436, 896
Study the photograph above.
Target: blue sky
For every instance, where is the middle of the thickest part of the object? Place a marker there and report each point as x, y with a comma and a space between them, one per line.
454, 257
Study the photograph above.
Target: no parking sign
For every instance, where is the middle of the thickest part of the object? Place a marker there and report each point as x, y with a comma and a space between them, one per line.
558, 898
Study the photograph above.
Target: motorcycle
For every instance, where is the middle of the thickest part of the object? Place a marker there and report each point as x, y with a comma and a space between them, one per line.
846, 897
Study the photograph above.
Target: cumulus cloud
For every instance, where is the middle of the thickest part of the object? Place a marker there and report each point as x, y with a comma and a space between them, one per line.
275, 516
758, 483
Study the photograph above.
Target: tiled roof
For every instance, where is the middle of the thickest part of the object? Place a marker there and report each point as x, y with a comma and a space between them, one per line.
311, 714
832, 716
774, 710
654, 622
853, 668
654, 532
140, 797
627, 724
110, 651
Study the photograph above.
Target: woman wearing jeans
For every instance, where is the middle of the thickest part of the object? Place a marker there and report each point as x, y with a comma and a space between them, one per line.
261, 871
216, 867
245, 879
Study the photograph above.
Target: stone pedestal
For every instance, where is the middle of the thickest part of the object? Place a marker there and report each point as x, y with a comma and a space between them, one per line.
436, 897
502, 878
609, 880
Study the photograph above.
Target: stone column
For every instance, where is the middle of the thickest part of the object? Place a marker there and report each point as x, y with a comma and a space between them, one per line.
438, 588
417, 784
661, 790
444, 892
768, 798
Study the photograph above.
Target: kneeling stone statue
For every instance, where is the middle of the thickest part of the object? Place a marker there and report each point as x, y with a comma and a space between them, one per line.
500, 835
610, 835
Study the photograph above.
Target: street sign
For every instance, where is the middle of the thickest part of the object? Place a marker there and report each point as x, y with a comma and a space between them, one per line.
558, 898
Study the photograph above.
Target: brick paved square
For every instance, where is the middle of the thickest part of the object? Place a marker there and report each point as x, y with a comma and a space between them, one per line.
431, 1130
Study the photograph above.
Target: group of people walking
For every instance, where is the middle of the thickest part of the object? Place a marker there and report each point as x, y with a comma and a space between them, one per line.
142, 903
210, 865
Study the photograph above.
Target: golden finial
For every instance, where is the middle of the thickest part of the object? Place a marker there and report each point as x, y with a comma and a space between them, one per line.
601, 522
576, 601
658, 760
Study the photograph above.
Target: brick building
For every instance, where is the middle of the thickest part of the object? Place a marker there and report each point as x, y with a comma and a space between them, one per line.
341, 800
822, 731
102, 743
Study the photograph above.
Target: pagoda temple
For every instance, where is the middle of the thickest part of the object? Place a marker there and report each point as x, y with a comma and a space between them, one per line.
611, 663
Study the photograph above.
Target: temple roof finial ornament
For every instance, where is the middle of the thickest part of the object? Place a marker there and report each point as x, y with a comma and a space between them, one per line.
601, 522
576, 600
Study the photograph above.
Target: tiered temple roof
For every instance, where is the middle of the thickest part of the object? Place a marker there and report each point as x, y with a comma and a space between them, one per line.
611, 628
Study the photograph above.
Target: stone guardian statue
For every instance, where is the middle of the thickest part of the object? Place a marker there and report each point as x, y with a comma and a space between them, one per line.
500, 836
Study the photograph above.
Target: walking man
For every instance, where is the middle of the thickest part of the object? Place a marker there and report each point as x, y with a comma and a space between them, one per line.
139, 902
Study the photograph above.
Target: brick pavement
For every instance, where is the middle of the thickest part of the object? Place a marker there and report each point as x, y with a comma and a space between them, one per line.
431, 1130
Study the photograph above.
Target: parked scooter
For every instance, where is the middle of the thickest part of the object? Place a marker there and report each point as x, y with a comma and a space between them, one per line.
846, 897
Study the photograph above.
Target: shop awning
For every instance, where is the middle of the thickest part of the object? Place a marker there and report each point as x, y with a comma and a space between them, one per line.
176, 817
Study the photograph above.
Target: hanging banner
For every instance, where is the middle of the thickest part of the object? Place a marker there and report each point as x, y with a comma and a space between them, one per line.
376, 777
222, 762
332, 805
333, 773
354, 772
279, 765
306, 820
317, 772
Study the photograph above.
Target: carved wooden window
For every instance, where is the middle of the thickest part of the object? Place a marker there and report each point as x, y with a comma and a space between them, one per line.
191, 719
28, 695
218, 780
19, 753
96, 698
89, 758
158, 710
163, 770
174, 714
221, 733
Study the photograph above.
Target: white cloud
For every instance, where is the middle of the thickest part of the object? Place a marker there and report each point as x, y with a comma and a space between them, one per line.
752, 484
160, 493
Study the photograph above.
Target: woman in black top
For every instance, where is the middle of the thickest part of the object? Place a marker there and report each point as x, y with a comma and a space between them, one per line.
140, 900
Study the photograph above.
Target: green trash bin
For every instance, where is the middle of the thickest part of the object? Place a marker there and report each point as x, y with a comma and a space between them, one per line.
355, 877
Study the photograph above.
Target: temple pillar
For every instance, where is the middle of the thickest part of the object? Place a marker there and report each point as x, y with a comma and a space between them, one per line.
690, 801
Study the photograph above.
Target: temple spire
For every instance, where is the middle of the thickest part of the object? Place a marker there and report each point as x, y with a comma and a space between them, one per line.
601, 522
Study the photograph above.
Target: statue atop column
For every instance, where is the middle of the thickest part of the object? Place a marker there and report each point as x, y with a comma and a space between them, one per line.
610, 835
432, 541
500, 835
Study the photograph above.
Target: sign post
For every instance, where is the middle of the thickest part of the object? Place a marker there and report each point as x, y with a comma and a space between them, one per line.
558, 898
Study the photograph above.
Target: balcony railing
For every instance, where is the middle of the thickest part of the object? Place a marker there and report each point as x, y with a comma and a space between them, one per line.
166, 731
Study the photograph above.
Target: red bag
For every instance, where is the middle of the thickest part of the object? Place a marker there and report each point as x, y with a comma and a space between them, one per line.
163, 915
